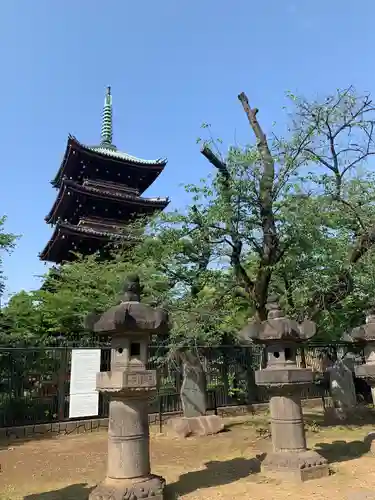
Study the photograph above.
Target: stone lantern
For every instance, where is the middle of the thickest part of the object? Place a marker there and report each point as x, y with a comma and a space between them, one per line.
285, 381
365, 335
129, 385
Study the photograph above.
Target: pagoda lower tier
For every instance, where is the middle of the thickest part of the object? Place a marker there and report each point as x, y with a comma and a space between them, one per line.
103, 199
90, 235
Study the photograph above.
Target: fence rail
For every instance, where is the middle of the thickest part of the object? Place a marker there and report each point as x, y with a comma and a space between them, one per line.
34, 382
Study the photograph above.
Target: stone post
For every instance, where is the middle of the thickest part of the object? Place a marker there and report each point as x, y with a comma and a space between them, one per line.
129, 385
285, 380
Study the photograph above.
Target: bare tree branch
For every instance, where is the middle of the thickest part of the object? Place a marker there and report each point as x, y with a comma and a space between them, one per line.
266, 187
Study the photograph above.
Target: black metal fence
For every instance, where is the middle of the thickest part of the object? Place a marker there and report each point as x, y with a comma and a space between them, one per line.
34, 382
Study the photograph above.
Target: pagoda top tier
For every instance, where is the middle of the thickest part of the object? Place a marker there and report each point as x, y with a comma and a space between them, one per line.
79, 159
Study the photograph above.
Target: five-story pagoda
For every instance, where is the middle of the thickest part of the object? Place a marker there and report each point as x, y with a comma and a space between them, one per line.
100, 191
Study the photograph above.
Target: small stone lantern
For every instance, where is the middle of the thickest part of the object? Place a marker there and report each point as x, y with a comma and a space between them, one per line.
129, 385
365, 335
285, 381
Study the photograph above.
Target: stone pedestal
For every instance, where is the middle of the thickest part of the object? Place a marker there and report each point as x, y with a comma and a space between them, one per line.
287, 426
128, 437
285, 381
129, 386
150, 488
128, 471
290, 455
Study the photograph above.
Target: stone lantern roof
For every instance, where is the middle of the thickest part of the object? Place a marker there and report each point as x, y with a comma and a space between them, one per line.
365, 333
277, 328
364, 336
131, 316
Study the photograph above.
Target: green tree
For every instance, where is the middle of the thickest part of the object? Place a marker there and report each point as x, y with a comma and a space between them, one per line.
295, 215
200, 295
69, 293
173, 256
21, 320
91, 285
7, 244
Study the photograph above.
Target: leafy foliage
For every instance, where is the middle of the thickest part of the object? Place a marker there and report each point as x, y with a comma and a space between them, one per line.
7, 243
296, 214
289, 214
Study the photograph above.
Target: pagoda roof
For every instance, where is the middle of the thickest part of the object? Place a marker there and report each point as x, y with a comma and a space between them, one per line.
119, 155
106, 150
105, 154
104, 190
81, 231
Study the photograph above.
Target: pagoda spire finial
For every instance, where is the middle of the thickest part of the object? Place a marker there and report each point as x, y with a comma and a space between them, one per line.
106, 132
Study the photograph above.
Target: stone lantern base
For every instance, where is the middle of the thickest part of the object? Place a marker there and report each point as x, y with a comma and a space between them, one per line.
303, 466
290, 456
151, 488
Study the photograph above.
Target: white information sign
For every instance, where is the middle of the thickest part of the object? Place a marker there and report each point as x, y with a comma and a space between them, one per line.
84, 399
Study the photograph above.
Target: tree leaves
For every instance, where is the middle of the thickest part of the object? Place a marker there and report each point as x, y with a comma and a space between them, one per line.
292, 215
7, 243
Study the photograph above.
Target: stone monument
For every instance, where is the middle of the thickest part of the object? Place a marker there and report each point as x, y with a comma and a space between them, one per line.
193, 395
194, 388
342, 390
129, 385
284, 380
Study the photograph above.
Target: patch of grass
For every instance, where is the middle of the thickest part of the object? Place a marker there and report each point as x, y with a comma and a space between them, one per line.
312, 427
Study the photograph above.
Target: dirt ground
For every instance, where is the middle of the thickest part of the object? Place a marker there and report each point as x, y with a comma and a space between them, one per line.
218, 467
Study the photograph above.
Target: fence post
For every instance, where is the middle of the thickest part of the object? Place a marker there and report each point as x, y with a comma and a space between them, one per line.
252, 388
303, 357
225, 376
61, 382
160, 409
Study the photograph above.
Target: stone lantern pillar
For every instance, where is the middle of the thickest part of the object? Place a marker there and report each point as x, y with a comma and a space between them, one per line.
285, 380
129, 385
365, 335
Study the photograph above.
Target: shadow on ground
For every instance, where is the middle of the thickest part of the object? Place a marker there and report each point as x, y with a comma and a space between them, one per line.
215, 474
341, 451
73, 492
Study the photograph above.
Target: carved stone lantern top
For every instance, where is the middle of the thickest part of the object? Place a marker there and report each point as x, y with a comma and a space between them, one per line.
131, 316
365, 333
129, 325
281, 336
278, 328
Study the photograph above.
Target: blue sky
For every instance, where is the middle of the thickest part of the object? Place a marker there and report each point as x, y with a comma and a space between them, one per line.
172, 65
